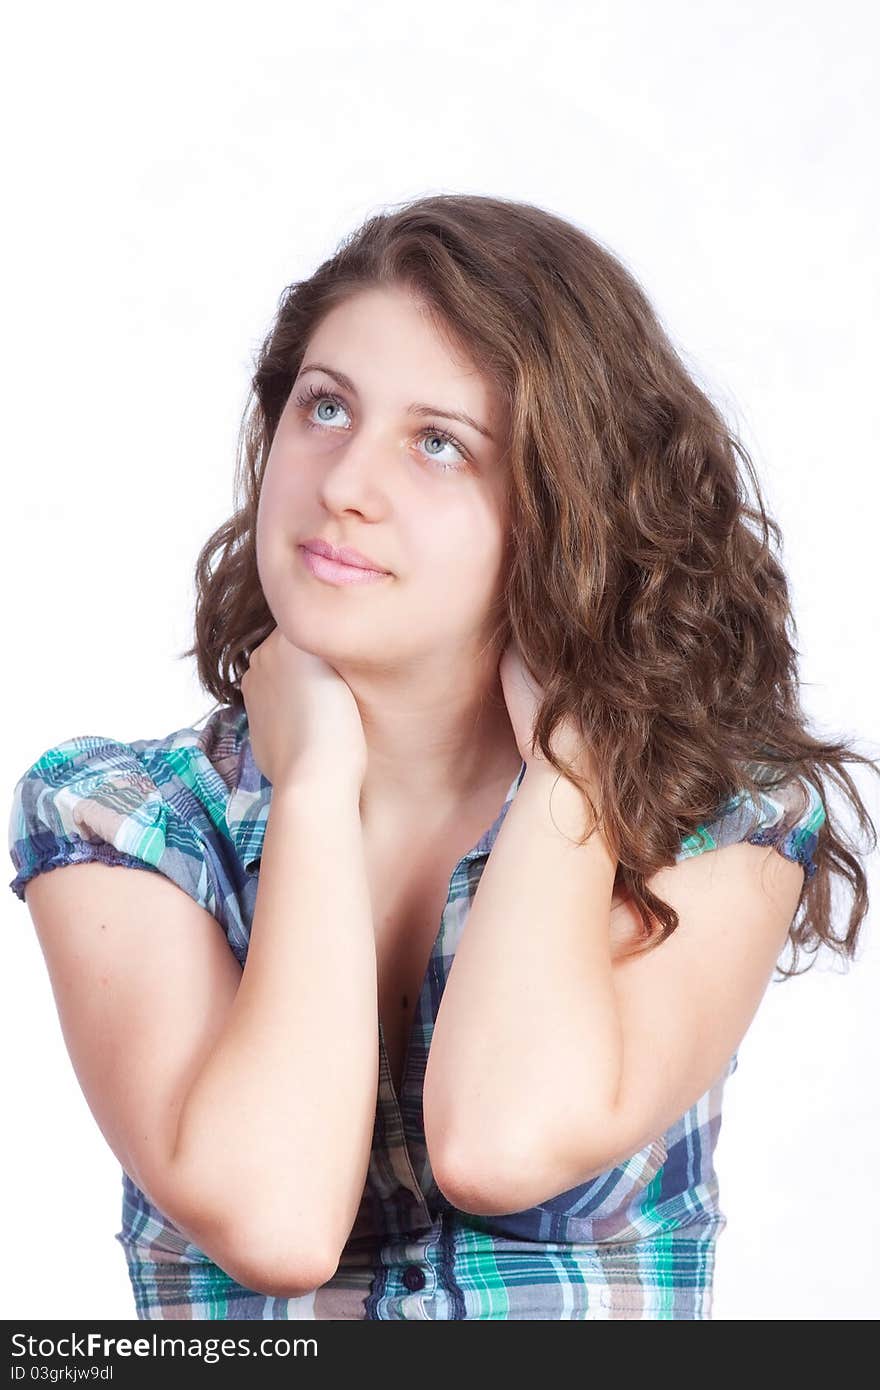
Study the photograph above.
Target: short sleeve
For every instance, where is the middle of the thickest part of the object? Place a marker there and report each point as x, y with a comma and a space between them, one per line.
788, 817
90, 799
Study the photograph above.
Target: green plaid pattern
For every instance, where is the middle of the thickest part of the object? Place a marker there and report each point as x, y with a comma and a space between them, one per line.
636, 1242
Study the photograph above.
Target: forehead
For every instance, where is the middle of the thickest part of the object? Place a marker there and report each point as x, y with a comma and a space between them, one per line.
392, 346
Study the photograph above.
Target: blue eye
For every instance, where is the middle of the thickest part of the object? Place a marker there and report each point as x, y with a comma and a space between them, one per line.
316, 394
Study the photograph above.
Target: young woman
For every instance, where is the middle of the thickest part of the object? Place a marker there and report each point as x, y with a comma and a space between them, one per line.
466, 893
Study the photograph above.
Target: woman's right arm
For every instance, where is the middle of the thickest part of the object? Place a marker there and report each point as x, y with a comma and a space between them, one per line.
279, 1120
241, 1103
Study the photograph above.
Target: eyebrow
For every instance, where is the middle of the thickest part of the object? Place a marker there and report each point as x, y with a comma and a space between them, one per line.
416, 408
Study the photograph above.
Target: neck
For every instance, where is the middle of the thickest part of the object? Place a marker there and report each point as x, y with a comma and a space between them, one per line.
436, 784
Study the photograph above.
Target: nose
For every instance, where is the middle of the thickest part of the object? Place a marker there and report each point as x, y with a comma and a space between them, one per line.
355, 471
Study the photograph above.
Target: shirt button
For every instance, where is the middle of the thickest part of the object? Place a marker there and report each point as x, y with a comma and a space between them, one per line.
413, 1277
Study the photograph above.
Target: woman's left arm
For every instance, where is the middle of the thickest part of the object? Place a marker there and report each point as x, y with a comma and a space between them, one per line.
550, 1062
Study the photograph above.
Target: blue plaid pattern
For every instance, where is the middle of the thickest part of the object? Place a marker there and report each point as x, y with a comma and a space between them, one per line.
636, 1242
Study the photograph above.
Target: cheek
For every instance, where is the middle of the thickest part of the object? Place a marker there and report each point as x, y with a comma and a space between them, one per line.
476, 549
267, 527
459, 562
279, 521
281, 509
469, 527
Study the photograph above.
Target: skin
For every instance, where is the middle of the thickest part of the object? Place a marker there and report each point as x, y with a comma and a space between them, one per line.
371, 475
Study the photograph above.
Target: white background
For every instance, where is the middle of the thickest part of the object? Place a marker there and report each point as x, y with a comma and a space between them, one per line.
171, 169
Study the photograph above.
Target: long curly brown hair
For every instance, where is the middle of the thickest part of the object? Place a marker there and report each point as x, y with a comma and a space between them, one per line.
641, 588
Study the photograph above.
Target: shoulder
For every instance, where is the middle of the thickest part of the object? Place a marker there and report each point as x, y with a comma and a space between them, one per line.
787, 816
152, 803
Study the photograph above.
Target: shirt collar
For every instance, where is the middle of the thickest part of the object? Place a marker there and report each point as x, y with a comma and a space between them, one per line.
247, 810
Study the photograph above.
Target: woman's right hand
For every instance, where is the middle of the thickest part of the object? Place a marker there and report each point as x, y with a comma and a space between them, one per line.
303, 719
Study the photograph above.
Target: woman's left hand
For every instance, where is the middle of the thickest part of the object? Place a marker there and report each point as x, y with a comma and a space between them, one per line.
523, 695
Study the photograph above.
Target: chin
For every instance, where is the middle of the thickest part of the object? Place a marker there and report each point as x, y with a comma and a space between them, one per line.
323, 637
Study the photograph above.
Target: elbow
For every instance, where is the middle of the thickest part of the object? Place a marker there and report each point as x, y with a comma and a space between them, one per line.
249, 1247
481, 1183
259, 1263
475, 1177
515, 1179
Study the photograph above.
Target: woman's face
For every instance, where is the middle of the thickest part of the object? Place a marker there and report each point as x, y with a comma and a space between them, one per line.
362, 464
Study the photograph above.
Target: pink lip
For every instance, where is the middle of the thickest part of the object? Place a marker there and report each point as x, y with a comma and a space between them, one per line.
333, 572
343, 554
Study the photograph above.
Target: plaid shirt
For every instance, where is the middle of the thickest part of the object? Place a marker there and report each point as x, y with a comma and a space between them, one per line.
636, 1242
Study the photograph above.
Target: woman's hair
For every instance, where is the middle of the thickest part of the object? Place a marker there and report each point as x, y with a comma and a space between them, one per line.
640, 584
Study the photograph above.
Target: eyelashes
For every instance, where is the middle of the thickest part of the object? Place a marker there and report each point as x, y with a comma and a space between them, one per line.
312, 394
